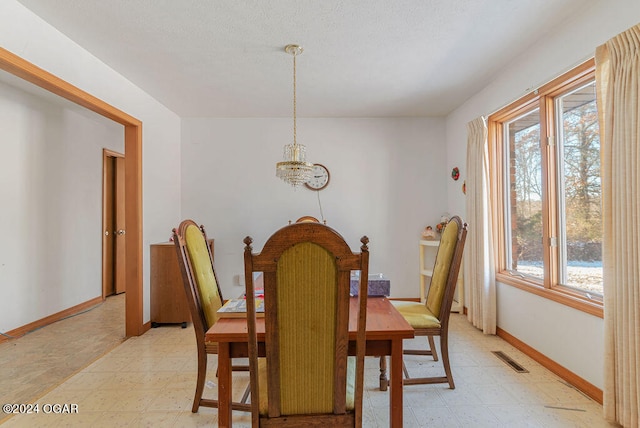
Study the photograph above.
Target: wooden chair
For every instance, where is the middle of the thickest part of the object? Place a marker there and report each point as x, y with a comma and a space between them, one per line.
432, 317
204, 298
307, 378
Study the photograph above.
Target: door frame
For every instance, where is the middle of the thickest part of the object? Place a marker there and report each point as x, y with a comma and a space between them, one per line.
29, 72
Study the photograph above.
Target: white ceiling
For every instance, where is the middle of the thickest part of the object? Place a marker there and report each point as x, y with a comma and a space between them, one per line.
362, 58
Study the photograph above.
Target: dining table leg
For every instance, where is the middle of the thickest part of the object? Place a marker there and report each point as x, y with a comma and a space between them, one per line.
396, 409
224, 385
384, 381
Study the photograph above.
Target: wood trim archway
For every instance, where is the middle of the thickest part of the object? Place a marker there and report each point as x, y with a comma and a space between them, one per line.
25, 70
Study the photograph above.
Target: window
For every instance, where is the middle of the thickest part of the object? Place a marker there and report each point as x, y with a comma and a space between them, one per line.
546, 170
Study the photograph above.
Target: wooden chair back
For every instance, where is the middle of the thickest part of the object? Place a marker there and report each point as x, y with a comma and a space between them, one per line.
198, 276
446, 269
309, 378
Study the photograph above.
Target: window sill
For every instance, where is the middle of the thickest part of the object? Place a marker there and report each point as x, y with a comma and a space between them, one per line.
573, 300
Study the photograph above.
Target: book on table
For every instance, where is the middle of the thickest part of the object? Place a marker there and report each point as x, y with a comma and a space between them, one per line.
237, 308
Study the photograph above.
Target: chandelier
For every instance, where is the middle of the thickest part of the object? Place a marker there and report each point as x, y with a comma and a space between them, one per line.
294, 169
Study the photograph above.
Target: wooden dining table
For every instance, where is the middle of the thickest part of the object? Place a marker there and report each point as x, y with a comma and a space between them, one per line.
386, 329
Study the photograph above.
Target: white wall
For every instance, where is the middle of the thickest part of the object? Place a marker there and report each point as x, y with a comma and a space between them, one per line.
51, 193
559, 332
26, 35
387, 177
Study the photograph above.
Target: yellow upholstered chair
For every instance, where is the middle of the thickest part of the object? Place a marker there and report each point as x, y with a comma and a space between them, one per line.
204, 299
307, 377
432, 317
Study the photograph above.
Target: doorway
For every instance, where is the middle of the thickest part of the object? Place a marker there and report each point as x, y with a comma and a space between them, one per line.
113, 221
29, 72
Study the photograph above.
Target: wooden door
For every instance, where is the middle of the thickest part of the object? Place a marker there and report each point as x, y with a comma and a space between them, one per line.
113, 231
119, 230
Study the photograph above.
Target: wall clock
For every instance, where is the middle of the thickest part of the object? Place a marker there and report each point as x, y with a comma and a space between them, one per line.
319, 177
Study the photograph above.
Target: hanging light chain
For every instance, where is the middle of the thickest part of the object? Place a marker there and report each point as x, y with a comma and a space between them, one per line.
295, 143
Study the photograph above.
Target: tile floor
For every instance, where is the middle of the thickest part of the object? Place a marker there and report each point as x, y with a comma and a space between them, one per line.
34, 363
148, 381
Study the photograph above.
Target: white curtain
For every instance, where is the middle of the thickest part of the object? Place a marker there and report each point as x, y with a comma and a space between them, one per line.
618, 92
479, 265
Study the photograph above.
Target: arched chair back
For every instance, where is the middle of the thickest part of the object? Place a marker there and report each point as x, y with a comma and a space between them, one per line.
307, 376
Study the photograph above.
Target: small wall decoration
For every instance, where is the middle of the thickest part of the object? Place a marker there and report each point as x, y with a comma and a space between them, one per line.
464, 187
455, 173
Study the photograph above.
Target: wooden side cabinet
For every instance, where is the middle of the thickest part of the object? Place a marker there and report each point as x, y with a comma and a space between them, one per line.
168, 300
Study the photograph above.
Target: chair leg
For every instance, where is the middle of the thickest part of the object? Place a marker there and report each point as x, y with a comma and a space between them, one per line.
245, 396
444, 349
198, 401
202, 374
384, 382
431, 351
432, 346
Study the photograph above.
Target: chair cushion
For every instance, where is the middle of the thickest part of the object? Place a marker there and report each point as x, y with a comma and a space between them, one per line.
203, 274
444, 257
262, 384
416, 314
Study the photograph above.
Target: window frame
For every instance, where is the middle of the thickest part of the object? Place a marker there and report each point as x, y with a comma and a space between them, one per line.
543, 99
